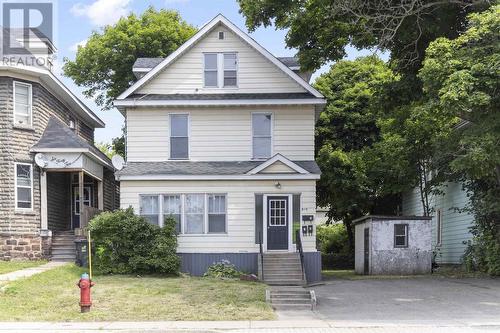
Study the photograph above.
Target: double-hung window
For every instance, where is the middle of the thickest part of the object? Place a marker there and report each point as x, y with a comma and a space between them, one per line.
261, 135
22, 104
216, 213
401, 235
220, 70
24, 186
194, 213
149, 208
179, 136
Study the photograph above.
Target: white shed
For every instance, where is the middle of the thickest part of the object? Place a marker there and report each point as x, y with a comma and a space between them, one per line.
393, 245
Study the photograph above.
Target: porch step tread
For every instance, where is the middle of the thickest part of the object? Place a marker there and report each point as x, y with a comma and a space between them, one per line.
272, 276
290, 301
284, 282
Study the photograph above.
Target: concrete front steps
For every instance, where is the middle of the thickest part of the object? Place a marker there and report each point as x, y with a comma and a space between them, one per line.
291, 298
63, 246
282, 269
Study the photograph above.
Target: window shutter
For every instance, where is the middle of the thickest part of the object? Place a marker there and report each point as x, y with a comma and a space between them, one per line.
258, 217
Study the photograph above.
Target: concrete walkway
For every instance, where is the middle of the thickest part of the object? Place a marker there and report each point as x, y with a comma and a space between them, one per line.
12, 276
291, 326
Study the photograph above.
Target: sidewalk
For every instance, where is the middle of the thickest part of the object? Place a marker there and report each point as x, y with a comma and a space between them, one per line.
12, 276
289, 326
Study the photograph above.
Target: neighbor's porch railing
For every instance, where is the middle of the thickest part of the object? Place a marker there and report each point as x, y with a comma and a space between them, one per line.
298, 241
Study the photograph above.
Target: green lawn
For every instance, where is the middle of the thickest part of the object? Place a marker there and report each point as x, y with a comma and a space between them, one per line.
10, 266
54, 296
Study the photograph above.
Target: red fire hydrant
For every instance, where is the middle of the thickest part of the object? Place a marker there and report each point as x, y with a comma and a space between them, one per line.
85, 284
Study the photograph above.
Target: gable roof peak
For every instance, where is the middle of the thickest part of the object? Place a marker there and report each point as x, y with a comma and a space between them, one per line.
200, 34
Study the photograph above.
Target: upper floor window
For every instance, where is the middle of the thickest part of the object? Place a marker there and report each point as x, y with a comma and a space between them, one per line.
179, 136
220, 70
261, 135
24, 186
22, 104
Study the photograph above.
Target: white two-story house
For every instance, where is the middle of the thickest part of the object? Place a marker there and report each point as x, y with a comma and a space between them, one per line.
220, 135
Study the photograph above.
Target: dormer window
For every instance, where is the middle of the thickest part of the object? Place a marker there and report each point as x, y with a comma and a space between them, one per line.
221, 70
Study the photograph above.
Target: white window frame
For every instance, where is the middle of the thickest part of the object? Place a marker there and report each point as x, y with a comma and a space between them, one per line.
272, 136
30, 103
161, 215
439, 226
207, 202
406, 236
170, 135
16, 187
220, 70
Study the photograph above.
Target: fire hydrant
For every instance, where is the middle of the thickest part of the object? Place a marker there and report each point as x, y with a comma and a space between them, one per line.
85, 284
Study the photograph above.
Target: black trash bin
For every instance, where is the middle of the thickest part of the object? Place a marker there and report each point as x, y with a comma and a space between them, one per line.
82, 252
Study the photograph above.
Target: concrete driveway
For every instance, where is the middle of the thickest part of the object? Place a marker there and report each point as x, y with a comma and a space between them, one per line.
430, 300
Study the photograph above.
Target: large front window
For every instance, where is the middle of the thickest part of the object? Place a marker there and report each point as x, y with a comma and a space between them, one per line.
261, 135
194, 213
24, 186
22, 104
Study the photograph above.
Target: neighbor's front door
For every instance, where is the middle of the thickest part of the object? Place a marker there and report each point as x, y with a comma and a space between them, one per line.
75, 203
277, 223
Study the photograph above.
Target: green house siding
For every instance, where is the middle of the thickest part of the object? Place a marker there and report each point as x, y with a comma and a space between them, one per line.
456, 225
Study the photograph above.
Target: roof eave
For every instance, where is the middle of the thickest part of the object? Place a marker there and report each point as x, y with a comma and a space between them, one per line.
222, 102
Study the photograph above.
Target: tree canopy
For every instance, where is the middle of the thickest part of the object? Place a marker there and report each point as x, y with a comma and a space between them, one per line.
104, 64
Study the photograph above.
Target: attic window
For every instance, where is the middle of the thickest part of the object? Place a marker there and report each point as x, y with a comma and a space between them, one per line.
221, 35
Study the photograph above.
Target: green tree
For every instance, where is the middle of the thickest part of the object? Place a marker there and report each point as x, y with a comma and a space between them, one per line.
461, 79
345, 135
104, 64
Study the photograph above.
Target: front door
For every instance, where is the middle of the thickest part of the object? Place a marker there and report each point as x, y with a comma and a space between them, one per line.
75, 203
277, 223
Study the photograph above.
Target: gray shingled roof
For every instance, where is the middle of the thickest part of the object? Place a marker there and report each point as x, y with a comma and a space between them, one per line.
58, 135
289, 61
175, 97
201, 168
147, 62
153, 62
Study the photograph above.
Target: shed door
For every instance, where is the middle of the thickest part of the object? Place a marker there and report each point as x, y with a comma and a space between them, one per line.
367, 252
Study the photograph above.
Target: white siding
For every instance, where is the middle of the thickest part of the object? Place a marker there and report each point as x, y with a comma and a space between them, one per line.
256, 74
220, 134
455, 225
240, 235
278, 167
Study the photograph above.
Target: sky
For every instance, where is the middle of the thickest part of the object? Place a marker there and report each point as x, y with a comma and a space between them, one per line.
77, 19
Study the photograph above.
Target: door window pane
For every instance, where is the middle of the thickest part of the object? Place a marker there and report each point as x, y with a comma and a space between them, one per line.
179, 136
149, 208
216, 213
195, 212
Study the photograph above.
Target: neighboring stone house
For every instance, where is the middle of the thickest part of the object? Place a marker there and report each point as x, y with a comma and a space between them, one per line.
40, 117
220, 135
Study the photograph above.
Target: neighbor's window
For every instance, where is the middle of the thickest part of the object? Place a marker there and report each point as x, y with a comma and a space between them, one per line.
194, 213
172, 207
22, 104
216, 213
401, 235
230, 76
211, 70
261, 140
439, 226
149, 208
179, 137
24, 186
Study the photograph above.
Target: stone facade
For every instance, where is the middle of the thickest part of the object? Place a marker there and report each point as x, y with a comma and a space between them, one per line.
20, 230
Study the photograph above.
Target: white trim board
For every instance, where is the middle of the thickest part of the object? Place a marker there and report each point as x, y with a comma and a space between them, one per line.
219, 19
220, 102
278, 158
222, 177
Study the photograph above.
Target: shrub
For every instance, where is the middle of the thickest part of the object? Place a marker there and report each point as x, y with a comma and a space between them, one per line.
333, 243
222, 269
127, 243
